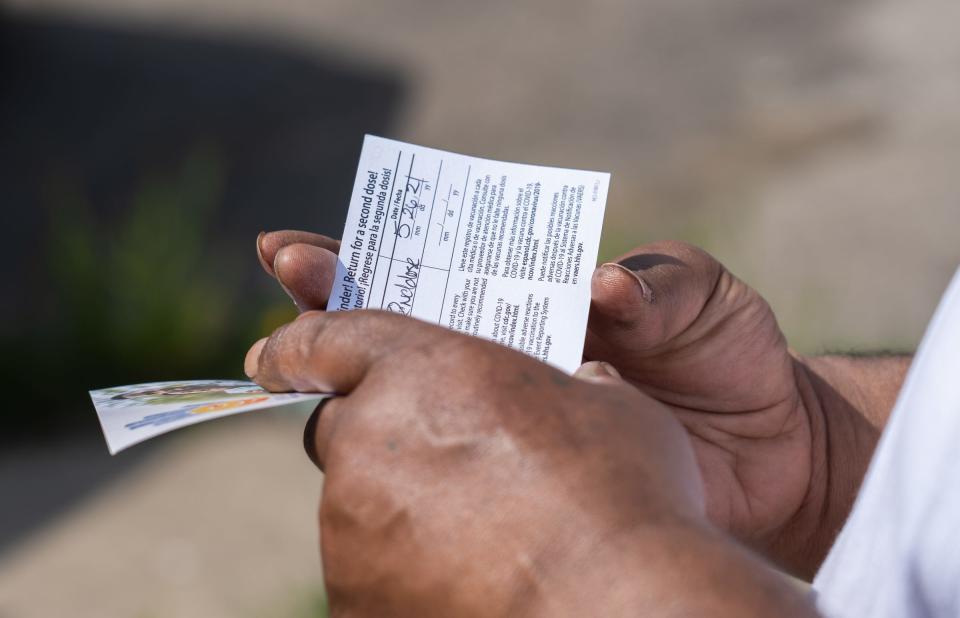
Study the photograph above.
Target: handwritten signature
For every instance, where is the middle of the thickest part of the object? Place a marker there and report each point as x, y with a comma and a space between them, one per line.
406, 284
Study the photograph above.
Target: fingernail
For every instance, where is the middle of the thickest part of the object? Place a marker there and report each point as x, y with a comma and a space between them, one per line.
597, 370
252, 362
645, 290
263, 261
276, 272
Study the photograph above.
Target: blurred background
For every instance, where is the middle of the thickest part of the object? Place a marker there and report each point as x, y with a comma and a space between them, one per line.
811, 146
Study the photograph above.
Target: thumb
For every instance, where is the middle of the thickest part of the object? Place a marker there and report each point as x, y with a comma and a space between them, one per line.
648, 297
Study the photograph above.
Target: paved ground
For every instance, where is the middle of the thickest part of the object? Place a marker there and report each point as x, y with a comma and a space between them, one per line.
220, 522
812, 146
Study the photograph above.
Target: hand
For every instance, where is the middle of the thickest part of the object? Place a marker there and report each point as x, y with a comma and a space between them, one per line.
681, 328
464, 478
678, 326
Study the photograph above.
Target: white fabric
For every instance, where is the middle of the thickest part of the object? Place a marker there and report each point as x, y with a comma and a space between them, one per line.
899, 553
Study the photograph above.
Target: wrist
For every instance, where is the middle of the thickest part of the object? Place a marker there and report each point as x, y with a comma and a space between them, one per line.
847, 402
868, 385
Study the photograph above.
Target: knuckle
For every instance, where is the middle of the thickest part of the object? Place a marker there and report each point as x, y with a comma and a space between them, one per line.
289, 348
316, 331
301, 336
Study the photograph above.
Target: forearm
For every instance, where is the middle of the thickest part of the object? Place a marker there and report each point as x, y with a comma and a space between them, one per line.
848, 401
671, 569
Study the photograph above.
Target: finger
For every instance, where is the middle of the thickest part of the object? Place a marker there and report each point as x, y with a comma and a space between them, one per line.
329, 352
270, 243
306, 273
599, 372
649, 296
252, 360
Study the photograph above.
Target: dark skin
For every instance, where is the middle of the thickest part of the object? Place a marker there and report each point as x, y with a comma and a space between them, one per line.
780, 442
783, 441
464, 478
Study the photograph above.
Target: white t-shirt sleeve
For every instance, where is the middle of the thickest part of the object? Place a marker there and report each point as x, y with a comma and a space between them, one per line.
899, 552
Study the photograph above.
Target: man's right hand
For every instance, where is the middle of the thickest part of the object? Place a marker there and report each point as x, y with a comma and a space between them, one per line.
467, 479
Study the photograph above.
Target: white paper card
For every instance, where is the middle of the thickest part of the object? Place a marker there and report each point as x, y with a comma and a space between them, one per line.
132, 414
499, 250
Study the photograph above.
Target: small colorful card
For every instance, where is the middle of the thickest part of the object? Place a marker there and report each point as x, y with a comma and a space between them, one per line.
132, 414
